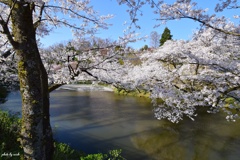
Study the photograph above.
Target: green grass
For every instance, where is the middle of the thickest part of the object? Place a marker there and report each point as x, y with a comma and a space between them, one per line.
137, 93
111, 155
9, 144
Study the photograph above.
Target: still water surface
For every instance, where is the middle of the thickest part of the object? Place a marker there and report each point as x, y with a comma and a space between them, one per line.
99, 121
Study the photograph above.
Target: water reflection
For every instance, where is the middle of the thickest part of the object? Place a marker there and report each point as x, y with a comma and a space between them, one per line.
99, 121
209, 137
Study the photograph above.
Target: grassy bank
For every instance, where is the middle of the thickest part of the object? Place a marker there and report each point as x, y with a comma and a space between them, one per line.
120, 91
10, 146
137, 93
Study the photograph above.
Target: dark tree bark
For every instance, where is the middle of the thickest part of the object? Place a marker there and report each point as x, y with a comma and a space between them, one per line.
36, 133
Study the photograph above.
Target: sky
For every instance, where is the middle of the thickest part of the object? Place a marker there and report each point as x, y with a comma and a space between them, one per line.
180, 29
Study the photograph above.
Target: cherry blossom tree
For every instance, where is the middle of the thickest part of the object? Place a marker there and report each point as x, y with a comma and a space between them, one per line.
204, 74
21, 60
185, 9
71, 63
21, 22
181, 74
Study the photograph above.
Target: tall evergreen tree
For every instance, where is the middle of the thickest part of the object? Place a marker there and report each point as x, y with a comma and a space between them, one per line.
165, 36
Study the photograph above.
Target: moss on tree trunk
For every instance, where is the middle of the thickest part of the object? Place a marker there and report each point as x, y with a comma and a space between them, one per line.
36, 133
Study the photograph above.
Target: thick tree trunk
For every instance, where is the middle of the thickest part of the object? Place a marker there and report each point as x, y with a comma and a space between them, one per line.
36, 133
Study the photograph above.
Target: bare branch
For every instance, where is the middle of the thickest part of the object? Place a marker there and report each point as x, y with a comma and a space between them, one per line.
54, 86
37, 23
7, 32
210, 26
95, 21
6, 2
8, 18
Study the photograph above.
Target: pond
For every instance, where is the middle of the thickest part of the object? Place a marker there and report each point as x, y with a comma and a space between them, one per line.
97, 121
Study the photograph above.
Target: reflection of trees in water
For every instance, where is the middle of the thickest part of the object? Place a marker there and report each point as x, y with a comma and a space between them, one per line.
3, 94
208, 137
